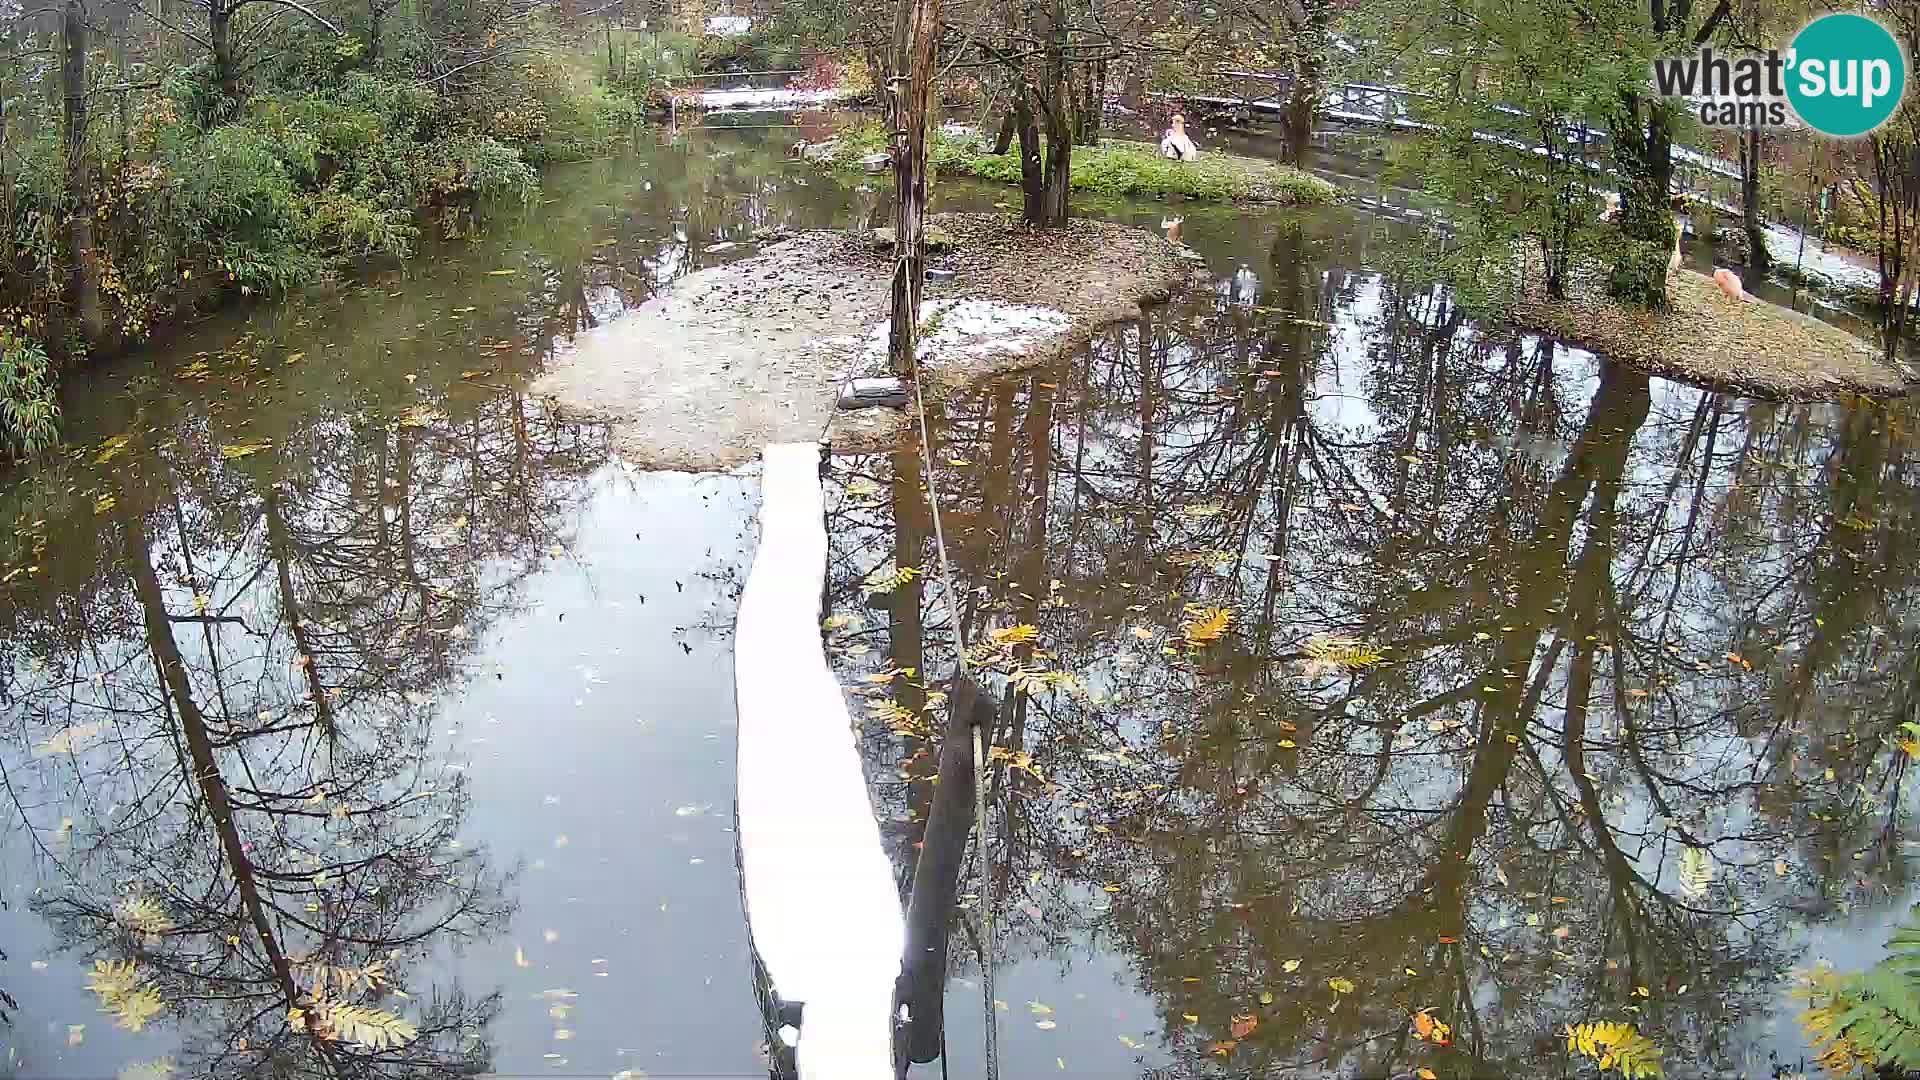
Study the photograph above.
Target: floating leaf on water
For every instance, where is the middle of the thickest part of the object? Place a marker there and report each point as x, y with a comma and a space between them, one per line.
1243, 1026
421, 416
231, 451
1340, 984
1427, 1029
1014, 635
69, 740
1206, 625
1045, 1025
1327, 653
110, 449
157, 1069
1290, 966
1696, 871
501, 273
143, 915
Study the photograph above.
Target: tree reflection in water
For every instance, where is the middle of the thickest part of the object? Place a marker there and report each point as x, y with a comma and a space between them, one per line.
236, 785
1623, 620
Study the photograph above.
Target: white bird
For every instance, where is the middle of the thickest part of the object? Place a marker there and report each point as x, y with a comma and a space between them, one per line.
1673, 260
1175, 144
1730, 284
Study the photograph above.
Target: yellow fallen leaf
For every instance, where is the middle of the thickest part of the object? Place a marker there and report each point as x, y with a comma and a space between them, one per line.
1291, 965
1191, 1018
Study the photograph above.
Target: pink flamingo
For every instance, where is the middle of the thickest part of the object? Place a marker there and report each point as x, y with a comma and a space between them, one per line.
1730, 284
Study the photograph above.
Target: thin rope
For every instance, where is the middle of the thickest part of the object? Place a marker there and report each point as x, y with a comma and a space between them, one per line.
985, 863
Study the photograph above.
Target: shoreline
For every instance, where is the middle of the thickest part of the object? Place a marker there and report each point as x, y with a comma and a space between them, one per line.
1754, 348
735, 357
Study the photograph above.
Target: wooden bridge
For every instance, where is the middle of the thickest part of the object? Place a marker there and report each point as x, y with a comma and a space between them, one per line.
1374, 105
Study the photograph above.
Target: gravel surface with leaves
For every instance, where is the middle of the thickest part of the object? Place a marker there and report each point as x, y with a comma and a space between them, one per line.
734, 357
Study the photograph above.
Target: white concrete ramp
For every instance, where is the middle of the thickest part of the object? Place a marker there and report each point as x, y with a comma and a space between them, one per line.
821, 901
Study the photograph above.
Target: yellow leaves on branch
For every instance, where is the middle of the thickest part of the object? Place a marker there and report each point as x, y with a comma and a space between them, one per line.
1696, 871
1617, 1047
1023, 634
1825, 1023
1326, 653
1204, 625
123, 992
335, 1021
142, 915
881, 581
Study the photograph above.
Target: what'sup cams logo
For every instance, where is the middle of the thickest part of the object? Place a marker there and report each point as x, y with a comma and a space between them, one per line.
1843, 76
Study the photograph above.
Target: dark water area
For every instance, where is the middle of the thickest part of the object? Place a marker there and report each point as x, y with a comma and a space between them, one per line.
1363, 661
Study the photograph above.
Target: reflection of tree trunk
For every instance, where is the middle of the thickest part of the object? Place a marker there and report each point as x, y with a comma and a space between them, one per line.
936, 874
280, 549
213, 788
906, 633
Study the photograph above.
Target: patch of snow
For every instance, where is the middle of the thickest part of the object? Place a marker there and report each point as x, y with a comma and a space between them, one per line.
723, 100
975, 328
1837, 270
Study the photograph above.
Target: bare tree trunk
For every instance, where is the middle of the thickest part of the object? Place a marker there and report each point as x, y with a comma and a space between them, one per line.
910, 179
1054, 96
1758, 258
83, 268
376, 11
225, 73
1004, 141
1032, 180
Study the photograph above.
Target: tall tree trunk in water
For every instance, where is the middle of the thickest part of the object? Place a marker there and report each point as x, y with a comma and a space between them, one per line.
1758, 258
1643, 155
910, 181
83, 270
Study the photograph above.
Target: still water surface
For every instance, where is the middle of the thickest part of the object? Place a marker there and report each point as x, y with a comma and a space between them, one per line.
456, 685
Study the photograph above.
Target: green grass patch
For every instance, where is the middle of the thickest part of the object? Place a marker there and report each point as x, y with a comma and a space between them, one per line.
1115, 167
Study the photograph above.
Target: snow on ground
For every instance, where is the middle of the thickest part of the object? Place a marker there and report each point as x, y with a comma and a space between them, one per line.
975, 328
1818, 261
746, 98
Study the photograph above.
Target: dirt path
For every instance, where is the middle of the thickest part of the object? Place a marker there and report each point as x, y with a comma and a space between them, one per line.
735, 357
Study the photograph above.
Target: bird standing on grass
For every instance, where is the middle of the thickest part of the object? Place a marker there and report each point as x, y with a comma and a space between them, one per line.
1175, 144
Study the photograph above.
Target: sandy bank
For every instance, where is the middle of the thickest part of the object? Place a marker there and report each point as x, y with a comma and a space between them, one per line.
1754, 348
734, 357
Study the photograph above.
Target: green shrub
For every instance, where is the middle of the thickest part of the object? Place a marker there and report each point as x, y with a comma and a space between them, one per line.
29, 413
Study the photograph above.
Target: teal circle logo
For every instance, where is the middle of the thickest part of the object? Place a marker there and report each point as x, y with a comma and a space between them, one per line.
1845, 75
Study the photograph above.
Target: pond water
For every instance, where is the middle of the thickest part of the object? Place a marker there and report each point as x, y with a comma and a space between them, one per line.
1544, 692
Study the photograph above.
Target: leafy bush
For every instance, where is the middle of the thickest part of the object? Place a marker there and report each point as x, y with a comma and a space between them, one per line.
1869, 1020
29, 414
